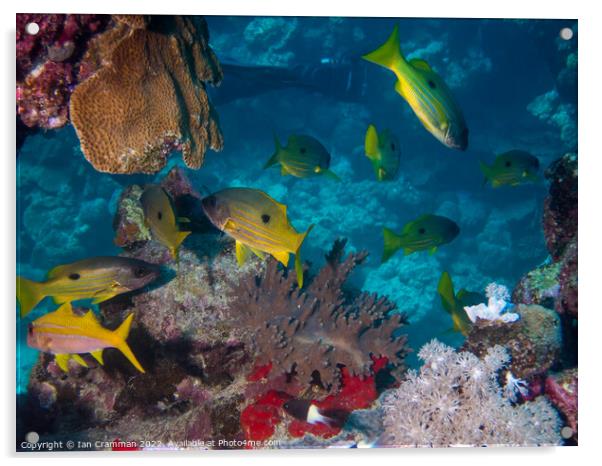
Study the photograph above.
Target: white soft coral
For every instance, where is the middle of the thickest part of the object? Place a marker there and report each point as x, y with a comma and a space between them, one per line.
496, 308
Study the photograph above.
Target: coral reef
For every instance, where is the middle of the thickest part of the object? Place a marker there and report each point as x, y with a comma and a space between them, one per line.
455, 400
223, 347
561, 389
47, 64
170, 111
555, 284
534, 341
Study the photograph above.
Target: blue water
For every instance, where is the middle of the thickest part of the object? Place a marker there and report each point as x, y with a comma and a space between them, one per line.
505, 76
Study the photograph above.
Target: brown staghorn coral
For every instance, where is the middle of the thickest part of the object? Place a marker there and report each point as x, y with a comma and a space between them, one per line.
317, 329
148, 97
455, 399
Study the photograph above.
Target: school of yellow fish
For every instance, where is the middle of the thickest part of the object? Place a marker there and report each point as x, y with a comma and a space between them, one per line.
259, 224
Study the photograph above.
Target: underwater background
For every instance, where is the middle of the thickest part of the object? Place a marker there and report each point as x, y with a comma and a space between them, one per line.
515, 81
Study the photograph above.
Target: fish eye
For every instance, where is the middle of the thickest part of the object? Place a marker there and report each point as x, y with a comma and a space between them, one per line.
30, 329
303, 150
140, 272
159, 215
74, 276
422, 231
431, 84
265, 218
508, 163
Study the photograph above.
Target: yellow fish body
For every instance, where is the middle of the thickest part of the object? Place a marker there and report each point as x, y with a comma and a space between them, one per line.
454, 304
258, 223
383, 151
426, 93
427, 232
97, 278
66, 335
303, 157
511, 168
160, 217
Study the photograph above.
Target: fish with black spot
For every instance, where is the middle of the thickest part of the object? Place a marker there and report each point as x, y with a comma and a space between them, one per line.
425, 91
258, 223
97, 278
160, 217
427, 232
303, 157
511, 168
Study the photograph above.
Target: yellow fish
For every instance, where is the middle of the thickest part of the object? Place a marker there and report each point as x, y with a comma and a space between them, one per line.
383, 151
302, 157
454, 304
511, 168
67, 335
426, 93
97, 278
160, 217
258, 224
426, 232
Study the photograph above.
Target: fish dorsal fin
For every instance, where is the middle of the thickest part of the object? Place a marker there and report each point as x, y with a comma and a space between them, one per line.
281, 256
90, 318
57, 271
242, 253
420, 64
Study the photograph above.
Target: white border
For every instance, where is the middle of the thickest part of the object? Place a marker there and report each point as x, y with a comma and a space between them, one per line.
590, 240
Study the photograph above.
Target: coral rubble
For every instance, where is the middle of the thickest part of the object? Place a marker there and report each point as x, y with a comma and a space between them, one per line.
455, 400
148, 99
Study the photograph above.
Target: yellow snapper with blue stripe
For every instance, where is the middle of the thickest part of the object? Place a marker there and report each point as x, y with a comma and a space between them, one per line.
511, 168
160, 217
97, 278
258, 223
425, 91
384, 152
67, 335
427, 232
303, 157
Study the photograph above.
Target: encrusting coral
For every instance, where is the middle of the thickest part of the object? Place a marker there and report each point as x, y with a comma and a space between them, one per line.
455, 400
148, 97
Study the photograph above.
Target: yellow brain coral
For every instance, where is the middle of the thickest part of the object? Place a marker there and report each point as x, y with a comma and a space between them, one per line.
147, 99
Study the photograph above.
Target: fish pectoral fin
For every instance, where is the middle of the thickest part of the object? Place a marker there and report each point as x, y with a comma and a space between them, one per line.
420, 64
433, 250
183, 220
380, 174
281, 256
98, 356
242, 253
61, 361
78, 359
283, 170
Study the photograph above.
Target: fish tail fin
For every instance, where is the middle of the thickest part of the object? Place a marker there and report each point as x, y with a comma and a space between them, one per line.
392, 243
122, 333
298, 262
445, 288
371, 143
274, 159
387, 54
486, 171
29, 294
